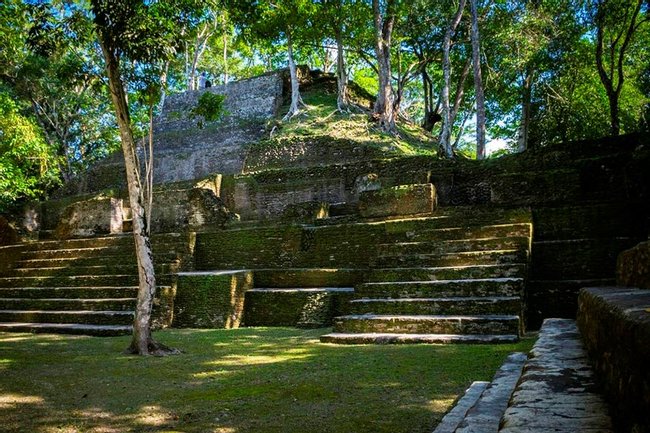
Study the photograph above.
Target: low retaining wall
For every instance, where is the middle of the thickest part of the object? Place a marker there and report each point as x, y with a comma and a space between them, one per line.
615, 326
211, 299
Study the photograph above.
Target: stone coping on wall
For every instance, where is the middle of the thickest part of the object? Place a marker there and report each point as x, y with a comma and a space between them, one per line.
615, 325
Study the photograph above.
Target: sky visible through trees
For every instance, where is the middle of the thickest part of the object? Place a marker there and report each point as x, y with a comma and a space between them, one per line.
548, 70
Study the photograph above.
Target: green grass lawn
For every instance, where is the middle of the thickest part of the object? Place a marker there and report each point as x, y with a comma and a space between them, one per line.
234, 381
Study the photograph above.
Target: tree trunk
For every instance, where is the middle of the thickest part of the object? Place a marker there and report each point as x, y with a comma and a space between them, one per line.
163, 86
341, 75
460, 91
447, 122
295, 86
142, 342
524, 126
383, 109
225, 50
478, 83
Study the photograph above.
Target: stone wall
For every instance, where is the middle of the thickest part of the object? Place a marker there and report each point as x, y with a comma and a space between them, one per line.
615, 326
211, 299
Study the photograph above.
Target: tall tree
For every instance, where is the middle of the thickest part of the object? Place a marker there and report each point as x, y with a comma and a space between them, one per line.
277, 20
144, 32
447, 123
478, 82
384, 14
616, 22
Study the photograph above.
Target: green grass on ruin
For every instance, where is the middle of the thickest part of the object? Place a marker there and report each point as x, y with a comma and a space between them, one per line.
320, 119
234, 381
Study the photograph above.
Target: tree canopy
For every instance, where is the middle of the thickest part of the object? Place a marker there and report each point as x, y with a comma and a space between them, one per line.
549, 70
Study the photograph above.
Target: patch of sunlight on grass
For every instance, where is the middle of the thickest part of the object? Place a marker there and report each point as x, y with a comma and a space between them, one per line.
238, 360
11, 400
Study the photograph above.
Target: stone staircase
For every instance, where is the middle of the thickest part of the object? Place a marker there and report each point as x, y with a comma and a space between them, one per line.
78, 286
443, 279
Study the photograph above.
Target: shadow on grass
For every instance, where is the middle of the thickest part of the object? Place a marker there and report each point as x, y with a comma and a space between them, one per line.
235, 381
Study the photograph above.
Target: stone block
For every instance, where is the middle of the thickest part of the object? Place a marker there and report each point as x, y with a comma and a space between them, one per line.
8, 234
306, 211
399, 200
615, 327
211, 299
633, 267
97, 215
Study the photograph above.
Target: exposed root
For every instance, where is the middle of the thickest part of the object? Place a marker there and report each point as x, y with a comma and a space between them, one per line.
154, 349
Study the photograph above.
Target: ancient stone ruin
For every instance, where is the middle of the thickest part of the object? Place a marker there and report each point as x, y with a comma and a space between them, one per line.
400, 250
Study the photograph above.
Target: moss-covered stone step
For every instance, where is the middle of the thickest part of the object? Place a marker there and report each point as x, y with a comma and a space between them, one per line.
78, 252
461, 216
126, 257
515, 270
92, 242
453, 246
301, 307
308, 277
75, 269
383, 338
441, 288
88, 317
71, 280
96, 304
68, 328
428, 324
71, 292
472, 232
432, 306
469, 258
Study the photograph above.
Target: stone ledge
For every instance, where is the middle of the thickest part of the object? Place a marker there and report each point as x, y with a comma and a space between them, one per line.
633, 267
557, 390
615, 325
397, 201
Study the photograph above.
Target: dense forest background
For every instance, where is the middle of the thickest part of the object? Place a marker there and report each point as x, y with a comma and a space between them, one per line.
525, 73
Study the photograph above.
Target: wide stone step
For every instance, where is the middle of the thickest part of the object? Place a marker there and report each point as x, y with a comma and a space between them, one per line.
469, 258
69, 281
427, 324
77, 270
302, 307
80, 317
462, 216
453, 246
558, 390
434, 306
78, 252
442, 288
475, 232
485, 414
99, 292
68, 328
94, 242
96, 304
383, 338
515, 270
308, 277
123, 259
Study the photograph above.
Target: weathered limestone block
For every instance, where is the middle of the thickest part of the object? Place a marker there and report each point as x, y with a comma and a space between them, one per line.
8, 234
98, 215
615, 326
633, 267
207, 209
305, 308
398, 200
306, 211
212, 299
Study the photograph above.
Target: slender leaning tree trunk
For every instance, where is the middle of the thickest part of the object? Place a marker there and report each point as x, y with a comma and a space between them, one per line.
447, 122
142, 342
341, 76
383, 32
478, 83
295, 86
